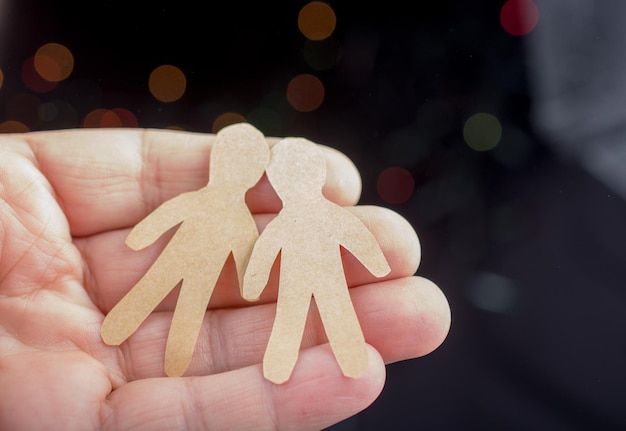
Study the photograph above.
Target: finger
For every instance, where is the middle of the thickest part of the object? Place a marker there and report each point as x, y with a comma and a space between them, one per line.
59, 389
111, 179
402, 319
114, 268
396, 238
315, 397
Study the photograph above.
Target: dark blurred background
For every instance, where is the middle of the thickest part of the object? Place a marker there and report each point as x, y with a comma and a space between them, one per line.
432, 102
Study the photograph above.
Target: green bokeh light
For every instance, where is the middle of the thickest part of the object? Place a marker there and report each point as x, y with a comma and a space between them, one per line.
482, 131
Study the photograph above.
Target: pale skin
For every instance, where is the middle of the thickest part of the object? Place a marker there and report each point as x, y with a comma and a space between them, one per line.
215, 223
68, 200
308, 233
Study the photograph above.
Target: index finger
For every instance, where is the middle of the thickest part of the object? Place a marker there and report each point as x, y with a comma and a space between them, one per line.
106, 179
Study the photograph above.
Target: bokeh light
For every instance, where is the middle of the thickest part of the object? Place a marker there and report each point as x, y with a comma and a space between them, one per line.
305, 92
167, 83
12, 126
47, 111
493, 292
110, 119
33, 80
94, 118
54, 62
1, 77
226, 119
57, 114
395, 185
317, 20
127, 118
482, 131
118, 117
519, 17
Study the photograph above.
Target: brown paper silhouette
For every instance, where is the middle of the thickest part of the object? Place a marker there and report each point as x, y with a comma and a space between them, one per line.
307, 235
214, 223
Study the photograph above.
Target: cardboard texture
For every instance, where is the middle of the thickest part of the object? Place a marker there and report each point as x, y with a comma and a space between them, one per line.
214, 222
306, 236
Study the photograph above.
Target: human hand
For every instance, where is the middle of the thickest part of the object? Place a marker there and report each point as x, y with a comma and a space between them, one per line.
68, 199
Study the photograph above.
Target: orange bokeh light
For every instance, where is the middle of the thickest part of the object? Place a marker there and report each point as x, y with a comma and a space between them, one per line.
126, 118
305, 92
54, 62
226, 119
118, 117
12, 126
94, 118
167, 83
317, 20
1, 78
395, 185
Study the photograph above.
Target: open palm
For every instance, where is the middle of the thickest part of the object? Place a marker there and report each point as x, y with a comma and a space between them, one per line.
68, 200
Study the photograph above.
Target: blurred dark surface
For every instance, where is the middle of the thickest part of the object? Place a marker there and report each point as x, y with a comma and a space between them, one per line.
526, 348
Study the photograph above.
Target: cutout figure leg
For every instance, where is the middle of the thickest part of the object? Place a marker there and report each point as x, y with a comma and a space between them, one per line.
195, 294
284, 344
139, 302
342, 327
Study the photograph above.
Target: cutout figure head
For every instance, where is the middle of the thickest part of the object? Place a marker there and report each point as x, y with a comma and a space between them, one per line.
239, 156
297, 170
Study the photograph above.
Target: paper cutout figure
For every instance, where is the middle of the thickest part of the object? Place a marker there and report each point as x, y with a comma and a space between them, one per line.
214, 223
307, 235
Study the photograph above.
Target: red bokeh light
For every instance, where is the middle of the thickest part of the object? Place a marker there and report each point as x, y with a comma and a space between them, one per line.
519, 17
125, 117
34, 80
395, 185
117, 117
305, 92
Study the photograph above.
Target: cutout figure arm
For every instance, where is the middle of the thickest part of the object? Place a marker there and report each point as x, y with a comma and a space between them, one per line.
360, 242
263, 256
242, 249
167, 215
